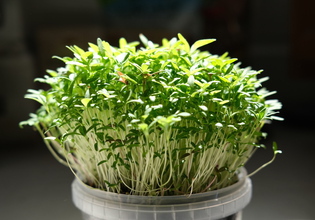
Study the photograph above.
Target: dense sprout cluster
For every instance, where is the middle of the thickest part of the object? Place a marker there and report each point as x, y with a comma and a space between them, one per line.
154, 120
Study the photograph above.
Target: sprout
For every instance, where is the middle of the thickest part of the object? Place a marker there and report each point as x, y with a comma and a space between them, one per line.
167, 119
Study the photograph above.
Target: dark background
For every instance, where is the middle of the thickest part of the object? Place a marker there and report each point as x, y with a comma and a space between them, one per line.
276, 36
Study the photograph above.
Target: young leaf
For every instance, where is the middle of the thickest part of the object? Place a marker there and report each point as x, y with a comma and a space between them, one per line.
184, 41
76, 63
275, 148
100, 47
144, 128
108, 49
144, 40
200, 43
204, 108
184, 114
219, 125
96, 146
122, 43
101, 162
191, 80
122, 57
86, 101
94, 47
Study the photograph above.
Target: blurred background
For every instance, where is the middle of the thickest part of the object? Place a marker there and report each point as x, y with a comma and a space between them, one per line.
276, 36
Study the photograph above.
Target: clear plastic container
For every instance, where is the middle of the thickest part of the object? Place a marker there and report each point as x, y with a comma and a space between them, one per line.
225, 204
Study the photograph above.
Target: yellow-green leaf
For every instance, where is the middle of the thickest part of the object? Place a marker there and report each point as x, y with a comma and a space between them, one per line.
224, 79
229, 61
185, 42
76, 63
224, 102
143, 39
79, 50
86, 101
122, 42
52, 73
165, 42
94, 47
200, 43
108, 48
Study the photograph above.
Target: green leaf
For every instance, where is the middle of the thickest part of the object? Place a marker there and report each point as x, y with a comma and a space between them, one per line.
122, 43
165, 43
108, 49
187, 61
82, 130
51, 138
96, 146
52, 73
144, 128
101, 162
137, 66
134, 121
36, 95
144, 40
184, 155
94, 47
107, 94
224, 79
174, 65
121, 58
184, 41
136, 100
276, 118
275, 148
229, 61
200, 43
100, 46
204, 108
229, 69
184, 114
191, 80
157, 106
219, 125
224, 102
78, 50
232, 126
86, 101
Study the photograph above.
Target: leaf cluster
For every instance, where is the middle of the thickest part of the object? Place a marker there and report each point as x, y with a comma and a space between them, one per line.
153, 120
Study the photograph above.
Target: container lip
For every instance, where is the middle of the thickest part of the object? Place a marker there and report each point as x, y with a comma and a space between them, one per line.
162, 200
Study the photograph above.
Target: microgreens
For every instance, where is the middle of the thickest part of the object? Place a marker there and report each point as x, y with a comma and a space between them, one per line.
152, 120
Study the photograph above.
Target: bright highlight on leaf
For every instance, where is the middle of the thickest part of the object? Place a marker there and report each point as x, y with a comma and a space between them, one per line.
219, 125
86, 101
184, 114
200, 43
191, 80
184, 41
204, 108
